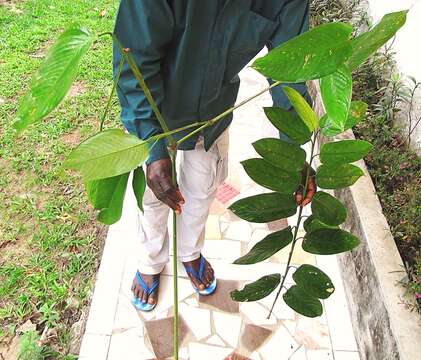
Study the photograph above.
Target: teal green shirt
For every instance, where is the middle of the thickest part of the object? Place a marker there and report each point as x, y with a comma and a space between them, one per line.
190, 53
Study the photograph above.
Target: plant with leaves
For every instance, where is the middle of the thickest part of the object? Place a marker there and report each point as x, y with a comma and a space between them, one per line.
329, 53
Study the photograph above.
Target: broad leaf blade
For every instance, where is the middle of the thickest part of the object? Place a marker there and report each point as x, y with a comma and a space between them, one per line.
314, 281
328, 209
357, 112
311, 224
258, 289
108, 153
289, 123
107, 195
312, 55
271, 177
343, 152
139, 186
367, 43
54, 78
302, 302
265, 248
265, 207
329, 241
337, 176
283, 155
303, 109
336, 91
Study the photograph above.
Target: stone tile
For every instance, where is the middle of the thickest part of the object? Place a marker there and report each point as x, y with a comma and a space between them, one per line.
192, 301
257, 314
221, 299
197, 352
255, 356
226, 192
126, 316
299, 257
237, 356
300, 354
227, 327
253, 336
213, 230
346, 355
198, 320
94, 347
312, 333
226, 250
239, 230
280, 346
281, 310
320, 355
215, 340
131, 344
278, 225
217, 208
160, 335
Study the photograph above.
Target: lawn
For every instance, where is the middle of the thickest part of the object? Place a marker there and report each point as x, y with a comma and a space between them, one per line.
50, 243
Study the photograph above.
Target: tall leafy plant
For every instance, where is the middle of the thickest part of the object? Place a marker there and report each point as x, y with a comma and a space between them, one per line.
329, 53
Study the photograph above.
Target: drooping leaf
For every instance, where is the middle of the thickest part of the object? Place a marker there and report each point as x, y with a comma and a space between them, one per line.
302, 302
303, 109
314, 281
329, 241
337, 176
328, 209
271, 177
311, 224
265, 207
265, 248
289, 123
312, 55
336, 91
343, 152
369, 42
357, 112
283, 155
107, 195
108, 153
258, 289
54, 77
139, 186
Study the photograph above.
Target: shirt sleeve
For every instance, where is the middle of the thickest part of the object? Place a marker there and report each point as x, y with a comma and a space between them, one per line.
146, 28
293, 20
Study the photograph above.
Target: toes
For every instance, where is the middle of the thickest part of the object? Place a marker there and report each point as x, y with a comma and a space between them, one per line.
151, 300
145, 297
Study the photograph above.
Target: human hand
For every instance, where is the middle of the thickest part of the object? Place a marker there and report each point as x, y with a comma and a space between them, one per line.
159, 180
311, 186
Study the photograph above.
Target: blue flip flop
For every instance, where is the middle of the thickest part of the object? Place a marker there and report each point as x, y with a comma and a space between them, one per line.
138, 304
199, 276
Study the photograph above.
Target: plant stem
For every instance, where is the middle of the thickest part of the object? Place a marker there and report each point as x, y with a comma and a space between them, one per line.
117, 77
296, 226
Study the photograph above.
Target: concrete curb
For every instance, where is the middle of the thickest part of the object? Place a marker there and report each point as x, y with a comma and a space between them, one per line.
384, 326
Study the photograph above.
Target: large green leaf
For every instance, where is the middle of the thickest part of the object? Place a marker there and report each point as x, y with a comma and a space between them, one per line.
337, 176
54, 77
139, 186
329, 241
314, 281
271, 177
107, 195
367, 43
258, 289
303, 109
108, 153
265, 207
328, 209
343, 152
336, 91
265, 248
311, 224
283, 155
312, 55
289, 123
302, 302
357, 112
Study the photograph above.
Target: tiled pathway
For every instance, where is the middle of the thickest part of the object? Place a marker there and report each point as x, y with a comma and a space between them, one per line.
215, 327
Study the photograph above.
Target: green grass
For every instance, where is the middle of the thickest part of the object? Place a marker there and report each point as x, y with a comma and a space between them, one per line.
50, 242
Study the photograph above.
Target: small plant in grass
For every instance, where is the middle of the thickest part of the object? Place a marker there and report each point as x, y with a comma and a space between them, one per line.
329, 53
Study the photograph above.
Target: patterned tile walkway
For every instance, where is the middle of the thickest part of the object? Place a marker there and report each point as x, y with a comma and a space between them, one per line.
215, 327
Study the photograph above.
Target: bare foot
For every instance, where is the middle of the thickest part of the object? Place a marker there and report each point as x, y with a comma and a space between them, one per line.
208, 274
141, 294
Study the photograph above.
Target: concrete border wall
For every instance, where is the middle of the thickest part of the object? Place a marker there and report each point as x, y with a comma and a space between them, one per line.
384, 327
